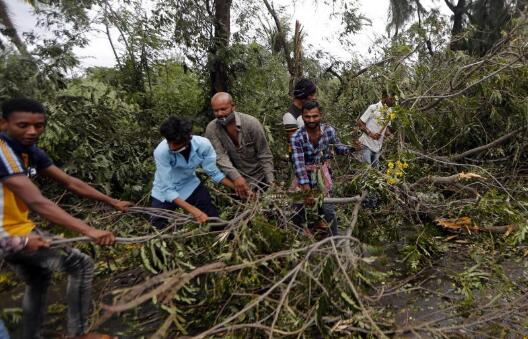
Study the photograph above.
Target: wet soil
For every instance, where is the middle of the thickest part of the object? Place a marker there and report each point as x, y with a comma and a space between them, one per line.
434, 298
416, 303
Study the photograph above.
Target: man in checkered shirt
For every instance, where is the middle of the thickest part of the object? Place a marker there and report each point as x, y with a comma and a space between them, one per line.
312, 146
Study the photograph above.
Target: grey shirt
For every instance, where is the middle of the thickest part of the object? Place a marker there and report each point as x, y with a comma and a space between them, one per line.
253, 159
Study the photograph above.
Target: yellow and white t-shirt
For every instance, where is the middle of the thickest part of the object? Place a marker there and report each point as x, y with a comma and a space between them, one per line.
17, 159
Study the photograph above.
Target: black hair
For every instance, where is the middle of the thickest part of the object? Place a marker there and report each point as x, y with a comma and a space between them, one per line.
309, 105
176, 129
304, 88
386, 94
21, 105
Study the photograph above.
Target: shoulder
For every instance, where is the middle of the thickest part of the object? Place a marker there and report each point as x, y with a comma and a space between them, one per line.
289, 120
211, 125
40, 158
162, 148
377, 106
297, 136
329, 130
201, 142
9, 159
248, 119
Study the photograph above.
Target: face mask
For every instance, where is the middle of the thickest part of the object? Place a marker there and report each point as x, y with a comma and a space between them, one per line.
179, 150
225, 120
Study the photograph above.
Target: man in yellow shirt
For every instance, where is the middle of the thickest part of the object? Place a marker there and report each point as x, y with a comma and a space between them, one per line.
23, 121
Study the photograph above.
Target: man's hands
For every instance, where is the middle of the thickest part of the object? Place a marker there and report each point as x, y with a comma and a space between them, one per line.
121, 205
241, 187
309, 199
100, 237
200, 216
36, 242
375, 136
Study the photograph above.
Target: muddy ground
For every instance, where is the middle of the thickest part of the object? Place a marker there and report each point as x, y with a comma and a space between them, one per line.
472, 287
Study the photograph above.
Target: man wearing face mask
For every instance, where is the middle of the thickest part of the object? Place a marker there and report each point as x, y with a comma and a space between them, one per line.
312, 146
240, 142
175, 181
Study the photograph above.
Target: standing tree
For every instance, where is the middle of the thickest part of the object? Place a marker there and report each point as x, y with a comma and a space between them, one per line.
219, 47
9, 29
201, 30
293, 62
487, 19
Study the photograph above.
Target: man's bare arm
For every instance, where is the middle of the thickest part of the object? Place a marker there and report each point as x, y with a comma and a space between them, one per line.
25, 190
82, 189
363, 127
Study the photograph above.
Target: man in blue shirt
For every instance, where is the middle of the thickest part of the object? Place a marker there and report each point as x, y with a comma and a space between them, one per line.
312, 146
175, 181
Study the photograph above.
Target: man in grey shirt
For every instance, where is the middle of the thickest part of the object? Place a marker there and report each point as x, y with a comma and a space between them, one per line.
243, 153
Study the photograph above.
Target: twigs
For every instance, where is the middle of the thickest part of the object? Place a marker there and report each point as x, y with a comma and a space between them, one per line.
176, 219
482, 148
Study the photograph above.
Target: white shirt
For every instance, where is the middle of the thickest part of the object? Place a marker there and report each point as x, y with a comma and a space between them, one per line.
375, 121
289, 120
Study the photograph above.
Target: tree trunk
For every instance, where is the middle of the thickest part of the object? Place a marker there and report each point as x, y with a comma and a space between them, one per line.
217, 61
294, 64
521, 5
458, 24
298, 56
10, 29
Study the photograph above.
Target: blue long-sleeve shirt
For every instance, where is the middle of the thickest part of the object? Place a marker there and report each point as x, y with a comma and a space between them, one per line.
175, 177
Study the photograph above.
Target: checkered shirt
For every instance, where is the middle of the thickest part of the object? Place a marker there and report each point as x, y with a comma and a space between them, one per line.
304, 154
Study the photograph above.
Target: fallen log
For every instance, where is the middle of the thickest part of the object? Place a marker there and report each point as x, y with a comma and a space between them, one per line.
449, 180
466, 224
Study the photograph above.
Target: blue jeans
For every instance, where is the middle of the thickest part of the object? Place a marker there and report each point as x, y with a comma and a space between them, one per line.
36, 269
370, 157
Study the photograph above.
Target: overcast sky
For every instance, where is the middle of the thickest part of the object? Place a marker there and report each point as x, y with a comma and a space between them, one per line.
321, 29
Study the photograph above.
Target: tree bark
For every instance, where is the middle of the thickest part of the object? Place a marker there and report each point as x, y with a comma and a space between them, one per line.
298, 56
218, 65
458, 23
10, 30
290, 62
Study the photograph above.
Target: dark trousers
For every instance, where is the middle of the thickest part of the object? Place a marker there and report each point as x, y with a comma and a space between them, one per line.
326, 210
36, 268
199, 198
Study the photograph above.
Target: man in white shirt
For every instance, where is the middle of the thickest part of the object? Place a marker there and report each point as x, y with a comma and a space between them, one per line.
304, 91
375, 124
